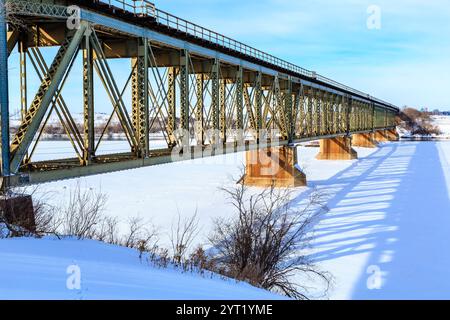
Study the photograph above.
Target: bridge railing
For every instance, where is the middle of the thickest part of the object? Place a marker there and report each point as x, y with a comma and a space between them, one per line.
182, 25
147, 8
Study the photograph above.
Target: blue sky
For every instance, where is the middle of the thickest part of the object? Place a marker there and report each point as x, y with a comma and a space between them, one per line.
406, 61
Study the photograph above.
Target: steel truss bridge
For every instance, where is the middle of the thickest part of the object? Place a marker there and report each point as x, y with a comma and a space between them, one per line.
207, 92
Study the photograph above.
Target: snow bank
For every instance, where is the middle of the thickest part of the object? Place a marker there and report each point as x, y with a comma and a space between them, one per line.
40, 269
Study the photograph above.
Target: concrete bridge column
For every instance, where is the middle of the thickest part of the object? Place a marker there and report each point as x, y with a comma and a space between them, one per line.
364, 140
380, 136
273, 166
339, 148
392, 135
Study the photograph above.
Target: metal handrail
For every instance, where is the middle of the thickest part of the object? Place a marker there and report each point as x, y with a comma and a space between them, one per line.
145, 8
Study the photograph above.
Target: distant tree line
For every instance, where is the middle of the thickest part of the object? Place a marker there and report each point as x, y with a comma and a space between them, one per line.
114, 127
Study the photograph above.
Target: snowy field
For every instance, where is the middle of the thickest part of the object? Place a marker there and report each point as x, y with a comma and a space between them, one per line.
443, 122
48, 269
385, 236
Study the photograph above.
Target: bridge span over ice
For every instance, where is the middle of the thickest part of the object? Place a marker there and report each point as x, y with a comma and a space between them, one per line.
207, 93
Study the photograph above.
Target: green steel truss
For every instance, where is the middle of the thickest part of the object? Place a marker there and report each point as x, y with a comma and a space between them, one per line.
191, 99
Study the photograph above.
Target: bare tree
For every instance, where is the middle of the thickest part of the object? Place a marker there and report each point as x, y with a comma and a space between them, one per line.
262, 244
183, 233
83, 212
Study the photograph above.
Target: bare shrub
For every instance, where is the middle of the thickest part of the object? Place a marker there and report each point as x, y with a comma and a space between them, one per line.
83, 212
183, 232
9, 230
46, 218
108, 230
417, 122
262, 245
140, 235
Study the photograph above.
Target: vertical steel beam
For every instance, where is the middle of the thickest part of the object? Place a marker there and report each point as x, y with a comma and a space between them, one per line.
258, 103
289, 112
329, 112
4, 99
223, 110
339, 114
240, 105
23, 78
333, 113
348, 107
88, 101
215, 101
135, 95
280, 112
295, 113
140, 97
145, 117
184, 92
199, 110
302, 97
23, 51
172, 111
318, 111
309, 114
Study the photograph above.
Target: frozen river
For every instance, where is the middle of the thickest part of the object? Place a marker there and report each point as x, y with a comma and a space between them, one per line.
385, 236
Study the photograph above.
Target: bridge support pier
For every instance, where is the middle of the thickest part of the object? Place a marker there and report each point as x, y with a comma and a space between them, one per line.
339, 148
364, 140
380, 136
392, 135
273, 166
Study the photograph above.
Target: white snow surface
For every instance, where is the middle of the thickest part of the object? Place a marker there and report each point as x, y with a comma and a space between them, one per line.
443, 122
38, 269
385, 236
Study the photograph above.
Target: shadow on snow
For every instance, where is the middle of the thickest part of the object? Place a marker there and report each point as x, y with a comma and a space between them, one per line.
393, 206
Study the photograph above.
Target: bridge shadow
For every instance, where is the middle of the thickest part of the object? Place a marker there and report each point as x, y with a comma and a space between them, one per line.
389, 210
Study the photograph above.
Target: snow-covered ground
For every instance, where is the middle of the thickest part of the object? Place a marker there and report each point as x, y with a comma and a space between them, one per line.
443, 122
388, 226
72, 269
385, 235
